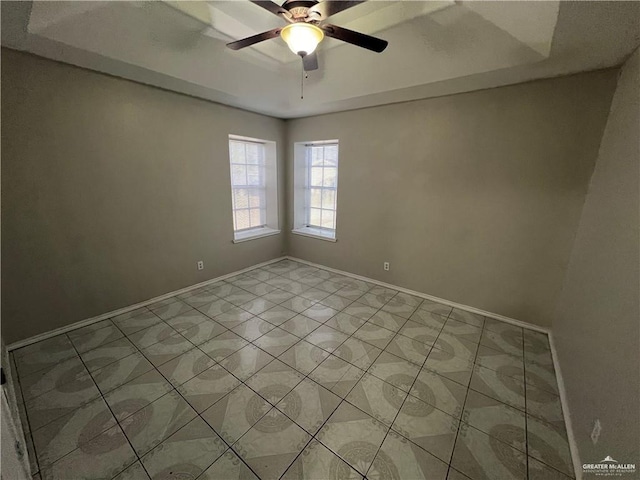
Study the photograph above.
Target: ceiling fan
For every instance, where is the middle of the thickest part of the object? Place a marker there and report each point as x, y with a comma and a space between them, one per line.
307, 28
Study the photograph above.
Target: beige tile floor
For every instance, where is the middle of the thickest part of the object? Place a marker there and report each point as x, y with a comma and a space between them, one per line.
290, 371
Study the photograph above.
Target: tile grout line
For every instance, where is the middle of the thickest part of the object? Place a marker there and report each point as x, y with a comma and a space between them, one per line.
304, 376
26, 415
468, 387
398, 412
367, 372
112, 415
464, 404
62, 416
173, 389
342, 399
312, 437
522, 411
299, 339
161, 320
243, 383
154, 367
229, 447
88, 373
194, 308
353, 334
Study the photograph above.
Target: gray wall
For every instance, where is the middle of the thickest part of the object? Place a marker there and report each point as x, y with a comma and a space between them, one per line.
474, 198
597, 322
111, 192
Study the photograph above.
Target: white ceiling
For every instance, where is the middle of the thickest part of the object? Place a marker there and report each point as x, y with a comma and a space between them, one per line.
435, 47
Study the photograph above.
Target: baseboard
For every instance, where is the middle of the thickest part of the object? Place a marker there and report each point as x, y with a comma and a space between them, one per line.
104, 316
461, 306
573, 445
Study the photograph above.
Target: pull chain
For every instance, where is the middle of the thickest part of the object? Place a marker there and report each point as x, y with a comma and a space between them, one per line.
303, 75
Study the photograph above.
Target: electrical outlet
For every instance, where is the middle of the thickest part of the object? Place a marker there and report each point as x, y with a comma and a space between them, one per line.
200, 265
385, 265
595, 433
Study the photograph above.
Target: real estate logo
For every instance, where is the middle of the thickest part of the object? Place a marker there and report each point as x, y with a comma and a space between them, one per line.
608, 467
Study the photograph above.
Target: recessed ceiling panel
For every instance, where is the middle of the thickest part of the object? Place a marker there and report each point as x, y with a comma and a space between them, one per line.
435, 47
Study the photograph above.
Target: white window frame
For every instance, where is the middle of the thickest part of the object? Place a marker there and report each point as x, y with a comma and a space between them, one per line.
270, 182
302, 192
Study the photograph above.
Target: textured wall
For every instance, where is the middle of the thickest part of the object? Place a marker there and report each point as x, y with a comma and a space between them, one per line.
474, 198
597, 322
111, 192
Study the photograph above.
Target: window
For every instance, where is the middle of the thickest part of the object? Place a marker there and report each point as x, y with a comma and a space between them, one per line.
253, 188
316, 189
322, 178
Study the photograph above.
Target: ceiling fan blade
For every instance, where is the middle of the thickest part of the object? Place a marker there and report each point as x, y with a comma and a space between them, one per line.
272, 7
329, 7
355, 38
310, 62
261, 37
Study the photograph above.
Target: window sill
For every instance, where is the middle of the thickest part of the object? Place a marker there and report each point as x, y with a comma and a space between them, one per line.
315, 233
253, 234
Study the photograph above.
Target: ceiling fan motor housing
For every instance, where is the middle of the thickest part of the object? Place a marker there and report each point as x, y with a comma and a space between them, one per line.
299, 9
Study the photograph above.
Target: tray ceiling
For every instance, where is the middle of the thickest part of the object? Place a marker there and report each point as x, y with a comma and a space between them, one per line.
435, 47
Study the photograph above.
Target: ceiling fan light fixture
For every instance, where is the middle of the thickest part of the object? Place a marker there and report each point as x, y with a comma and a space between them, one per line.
302, 38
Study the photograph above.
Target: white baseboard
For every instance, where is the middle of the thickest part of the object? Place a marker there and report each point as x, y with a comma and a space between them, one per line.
104, 316
495, 316
573, 445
